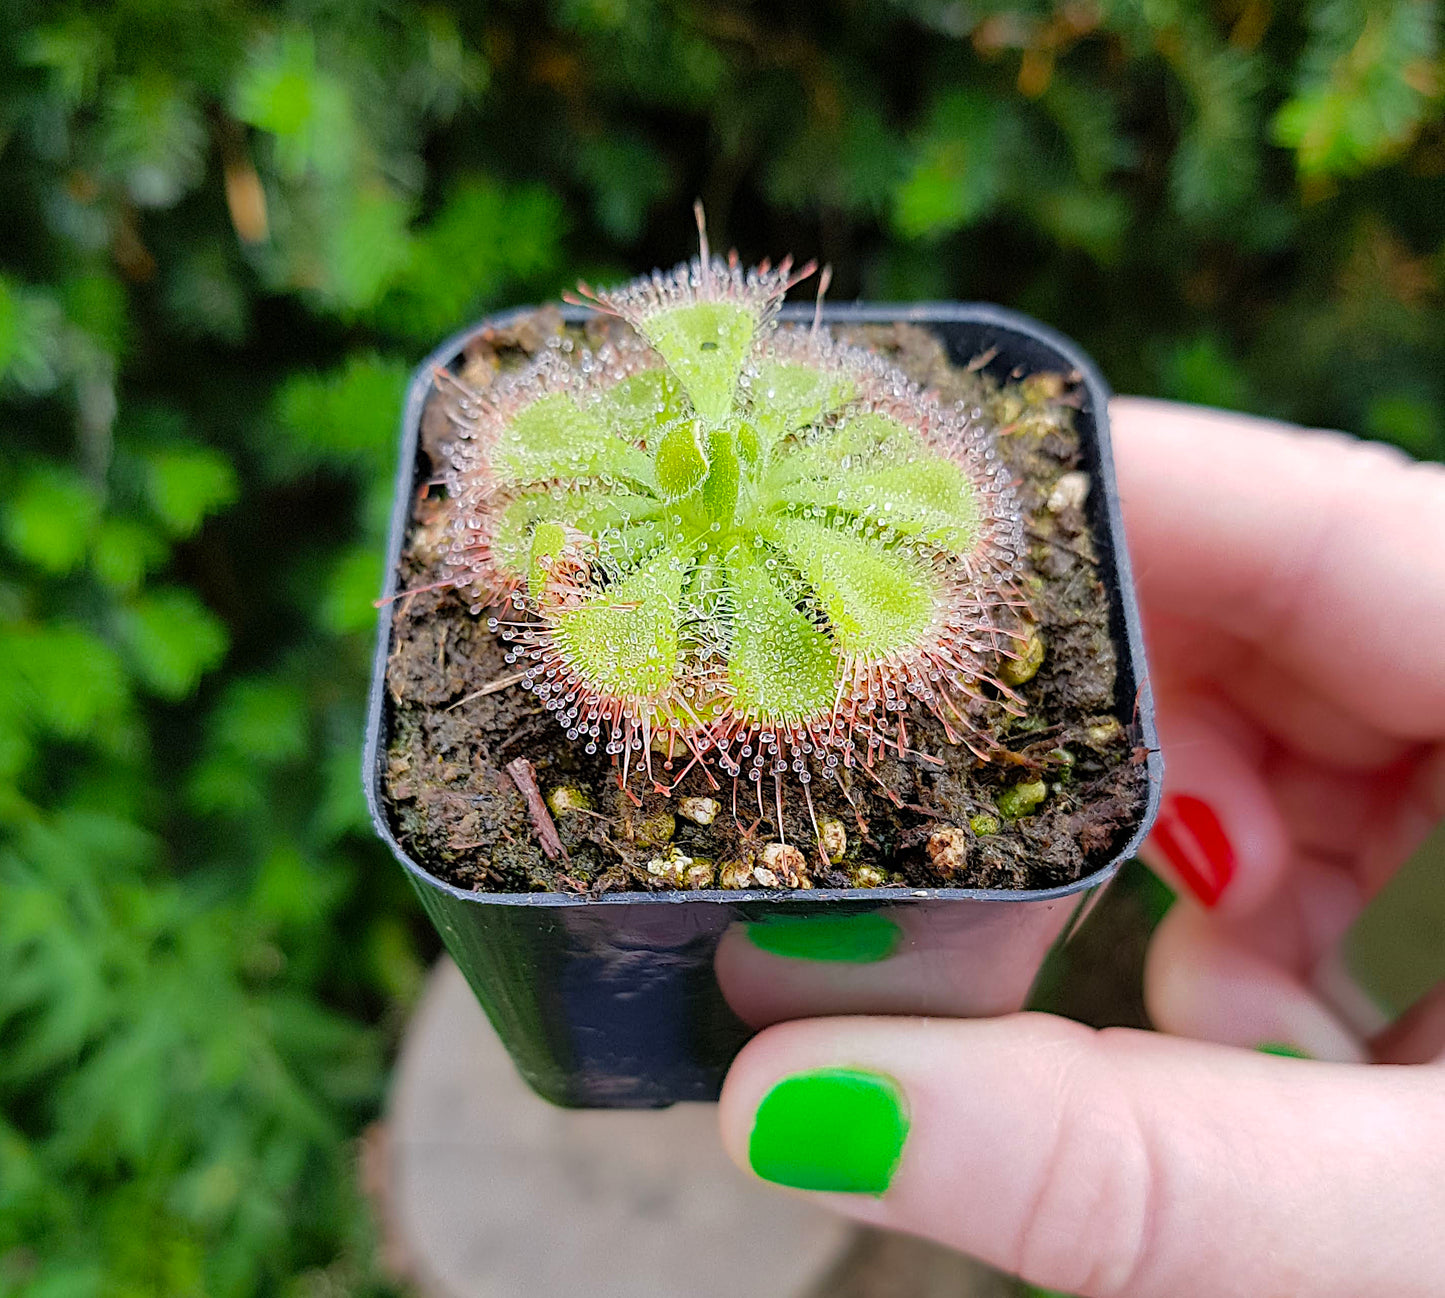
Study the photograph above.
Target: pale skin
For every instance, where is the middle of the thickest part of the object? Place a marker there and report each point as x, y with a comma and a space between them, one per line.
1293, 585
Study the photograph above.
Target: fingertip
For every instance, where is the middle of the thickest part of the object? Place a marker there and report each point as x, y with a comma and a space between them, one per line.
1219, 837
816, 1106
1292, 541
1116, 1162
747, 1081
778, 1052
1199, 983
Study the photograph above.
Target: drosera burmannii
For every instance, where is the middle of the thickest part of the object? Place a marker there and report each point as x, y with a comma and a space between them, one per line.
728, 545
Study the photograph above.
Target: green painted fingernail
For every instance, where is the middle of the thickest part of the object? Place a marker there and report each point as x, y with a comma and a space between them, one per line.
1283, 1049
834, 1129
846, 939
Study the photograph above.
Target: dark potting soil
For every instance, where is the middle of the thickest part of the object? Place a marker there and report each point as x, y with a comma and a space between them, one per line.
458, 722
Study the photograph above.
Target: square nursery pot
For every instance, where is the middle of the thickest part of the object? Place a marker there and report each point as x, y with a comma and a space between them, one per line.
641, 999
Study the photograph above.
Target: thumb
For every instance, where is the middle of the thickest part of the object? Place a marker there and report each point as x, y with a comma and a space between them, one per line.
1106, 1163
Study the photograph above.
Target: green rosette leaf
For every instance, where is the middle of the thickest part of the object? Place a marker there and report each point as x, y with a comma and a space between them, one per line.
780, 666
624, 640
878, 601
704, 345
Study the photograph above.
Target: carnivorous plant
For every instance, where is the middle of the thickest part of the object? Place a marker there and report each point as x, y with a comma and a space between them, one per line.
732, 544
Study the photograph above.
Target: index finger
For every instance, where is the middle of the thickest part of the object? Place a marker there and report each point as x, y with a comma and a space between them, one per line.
1325, 553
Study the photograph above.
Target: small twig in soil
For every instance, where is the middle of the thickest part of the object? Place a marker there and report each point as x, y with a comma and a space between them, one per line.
393, 686
525, 730
922, 810
1037, 736
491, 687
406, 595
524, 776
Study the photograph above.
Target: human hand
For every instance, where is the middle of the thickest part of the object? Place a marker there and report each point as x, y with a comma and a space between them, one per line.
1294, 595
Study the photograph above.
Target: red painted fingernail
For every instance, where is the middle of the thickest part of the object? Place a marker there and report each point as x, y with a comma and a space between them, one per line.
1190, 835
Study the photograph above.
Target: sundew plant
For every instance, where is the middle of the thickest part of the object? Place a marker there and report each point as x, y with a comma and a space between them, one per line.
735, 545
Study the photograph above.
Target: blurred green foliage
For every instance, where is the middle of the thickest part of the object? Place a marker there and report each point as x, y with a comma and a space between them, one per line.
230, 229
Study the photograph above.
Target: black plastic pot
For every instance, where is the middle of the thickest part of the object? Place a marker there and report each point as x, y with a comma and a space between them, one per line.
642, 999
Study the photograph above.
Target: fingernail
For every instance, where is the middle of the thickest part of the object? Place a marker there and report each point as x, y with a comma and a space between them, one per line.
832, 1129
1283, 1049
845, 939
1189, 834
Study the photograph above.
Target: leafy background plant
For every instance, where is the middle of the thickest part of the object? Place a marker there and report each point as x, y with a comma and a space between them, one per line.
230, 229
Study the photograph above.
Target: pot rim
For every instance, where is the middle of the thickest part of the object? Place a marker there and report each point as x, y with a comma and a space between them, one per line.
849, 313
